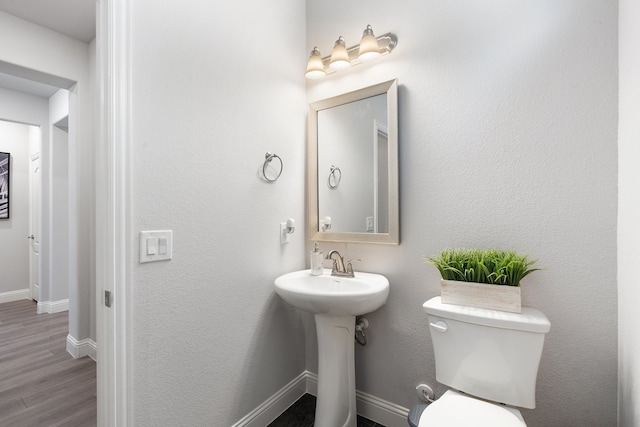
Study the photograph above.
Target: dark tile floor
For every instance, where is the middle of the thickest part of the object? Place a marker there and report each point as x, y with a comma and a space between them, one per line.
302, 413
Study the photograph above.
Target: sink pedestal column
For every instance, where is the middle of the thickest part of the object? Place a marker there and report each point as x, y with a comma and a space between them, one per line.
336, 400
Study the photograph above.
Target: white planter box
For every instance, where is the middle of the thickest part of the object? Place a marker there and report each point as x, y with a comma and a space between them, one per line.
493, 297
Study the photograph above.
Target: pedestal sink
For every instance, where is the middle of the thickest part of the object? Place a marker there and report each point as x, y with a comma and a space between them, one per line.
335, 302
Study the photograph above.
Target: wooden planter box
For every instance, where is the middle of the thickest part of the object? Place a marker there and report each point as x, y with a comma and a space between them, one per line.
481, 295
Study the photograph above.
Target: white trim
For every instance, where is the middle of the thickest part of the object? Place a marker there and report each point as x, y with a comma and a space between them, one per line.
82, 348
381, 411
312, 383
113, 215
51, 307
32, 206
15, 295
369, 406
271, 408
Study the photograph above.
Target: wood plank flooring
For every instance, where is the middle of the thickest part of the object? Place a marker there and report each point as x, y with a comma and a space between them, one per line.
40, 383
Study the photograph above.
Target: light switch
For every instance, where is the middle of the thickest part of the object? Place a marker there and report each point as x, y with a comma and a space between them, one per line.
162, 246
156, 245
152, 245
369, 224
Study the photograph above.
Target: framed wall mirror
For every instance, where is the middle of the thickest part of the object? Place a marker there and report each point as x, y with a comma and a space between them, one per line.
353, 166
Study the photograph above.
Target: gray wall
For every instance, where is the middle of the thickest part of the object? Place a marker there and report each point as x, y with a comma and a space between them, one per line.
215, 86
22, 108
14, 249
507, 139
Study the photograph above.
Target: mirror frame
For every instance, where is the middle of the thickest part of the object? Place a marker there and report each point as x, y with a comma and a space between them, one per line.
390, 88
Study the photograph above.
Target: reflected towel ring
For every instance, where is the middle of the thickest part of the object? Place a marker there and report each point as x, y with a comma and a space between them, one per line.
268, 157
334, 180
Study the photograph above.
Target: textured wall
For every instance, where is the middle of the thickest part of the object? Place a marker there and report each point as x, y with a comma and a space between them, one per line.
508, 115
628, 214
215, 86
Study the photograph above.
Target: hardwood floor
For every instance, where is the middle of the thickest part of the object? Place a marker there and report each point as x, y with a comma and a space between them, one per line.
40, 383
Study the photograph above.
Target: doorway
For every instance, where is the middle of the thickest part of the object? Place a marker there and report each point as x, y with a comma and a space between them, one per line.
59, 63
15, 227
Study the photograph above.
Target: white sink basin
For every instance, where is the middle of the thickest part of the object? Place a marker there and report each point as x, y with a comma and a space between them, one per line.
331, 295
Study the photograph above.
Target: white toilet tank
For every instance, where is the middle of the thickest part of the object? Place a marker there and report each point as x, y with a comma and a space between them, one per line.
490, 354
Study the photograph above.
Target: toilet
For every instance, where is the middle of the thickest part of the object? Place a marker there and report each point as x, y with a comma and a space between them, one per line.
490, 361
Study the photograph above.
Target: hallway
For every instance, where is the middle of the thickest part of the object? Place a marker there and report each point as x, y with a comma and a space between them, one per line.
40, 383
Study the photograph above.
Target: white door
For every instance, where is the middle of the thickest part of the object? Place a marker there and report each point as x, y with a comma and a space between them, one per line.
34, 235
380, 178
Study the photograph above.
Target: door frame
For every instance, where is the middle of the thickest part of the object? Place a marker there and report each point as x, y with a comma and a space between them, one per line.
112, 214
34, 203
379, 129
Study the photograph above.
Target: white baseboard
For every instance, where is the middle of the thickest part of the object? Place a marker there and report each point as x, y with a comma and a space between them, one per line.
371, 407
82, 348
271, 408
51, 307
14, 295
381, 411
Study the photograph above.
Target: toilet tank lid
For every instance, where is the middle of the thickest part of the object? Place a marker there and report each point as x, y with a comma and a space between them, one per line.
530, 320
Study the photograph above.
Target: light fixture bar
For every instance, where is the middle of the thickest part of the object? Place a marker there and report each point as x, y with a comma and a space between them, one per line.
386, 42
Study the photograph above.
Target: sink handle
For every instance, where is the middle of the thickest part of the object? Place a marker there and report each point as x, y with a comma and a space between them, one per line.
349, 266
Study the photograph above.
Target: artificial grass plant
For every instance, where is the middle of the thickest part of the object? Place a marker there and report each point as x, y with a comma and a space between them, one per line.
491, 266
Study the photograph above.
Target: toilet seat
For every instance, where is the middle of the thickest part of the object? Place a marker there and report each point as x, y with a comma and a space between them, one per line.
455, 409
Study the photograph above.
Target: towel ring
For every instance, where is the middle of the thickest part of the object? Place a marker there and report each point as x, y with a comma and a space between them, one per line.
333, 183
268, 157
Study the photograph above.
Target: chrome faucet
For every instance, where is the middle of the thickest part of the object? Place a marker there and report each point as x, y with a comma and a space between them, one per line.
338, 265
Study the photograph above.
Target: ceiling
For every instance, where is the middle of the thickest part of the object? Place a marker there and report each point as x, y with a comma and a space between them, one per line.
73, 18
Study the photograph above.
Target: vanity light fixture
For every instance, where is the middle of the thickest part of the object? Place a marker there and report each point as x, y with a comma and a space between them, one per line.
370, 47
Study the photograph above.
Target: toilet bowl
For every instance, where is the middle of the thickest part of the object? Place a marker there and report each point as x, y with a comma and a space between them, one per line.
455, 409
489, 358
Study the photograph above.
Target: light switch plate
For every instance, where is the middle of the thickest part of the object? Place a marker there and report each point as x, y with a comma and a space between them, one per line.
162, 243
369, 224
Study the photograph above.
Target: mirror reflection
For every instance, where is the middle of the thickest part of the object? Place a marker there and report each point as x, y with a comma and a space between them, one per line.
353, 180
352, 166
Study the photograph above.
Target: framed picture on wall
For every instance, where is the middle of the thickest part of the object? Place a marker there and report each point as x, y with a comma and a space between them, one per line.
5, 162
